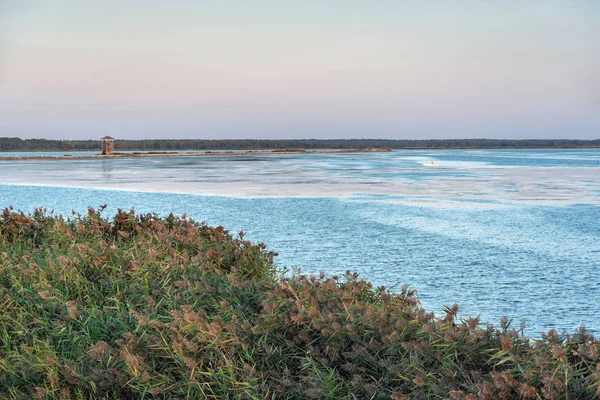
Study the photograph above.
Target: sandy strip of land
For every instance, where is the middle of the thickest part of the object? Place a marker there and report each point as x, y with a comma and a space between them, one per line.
199, 154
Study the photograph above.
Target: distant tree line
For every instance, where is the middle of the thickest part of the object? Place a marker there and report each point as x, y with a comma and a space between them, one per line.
17, 144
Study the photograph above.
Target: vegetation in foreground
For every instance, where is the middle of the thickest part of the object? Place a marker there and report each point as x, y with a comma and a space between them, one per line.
138, 306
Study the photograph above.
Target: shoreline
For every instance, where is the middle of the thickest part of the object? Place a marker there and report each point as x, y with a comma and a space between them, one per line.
195, 154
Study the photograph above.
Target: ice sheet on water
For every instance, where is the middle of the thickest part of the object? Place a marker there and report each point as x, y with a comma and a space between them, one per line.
398, 173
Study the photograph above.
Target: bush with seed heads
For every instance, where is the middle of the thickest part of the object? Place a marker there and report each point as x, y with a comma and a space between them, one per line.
137, 306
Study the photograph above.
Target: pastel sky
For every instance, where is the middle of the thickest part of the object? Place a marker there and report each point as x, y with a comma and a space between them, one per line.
300, 69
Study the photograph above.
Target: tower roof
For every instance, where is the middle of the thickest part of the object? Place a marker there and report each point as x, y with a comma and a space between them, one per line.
108, 138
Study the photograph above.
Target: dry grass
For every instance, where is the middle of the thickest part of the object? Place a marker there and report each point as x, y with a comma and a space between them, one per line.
138, 306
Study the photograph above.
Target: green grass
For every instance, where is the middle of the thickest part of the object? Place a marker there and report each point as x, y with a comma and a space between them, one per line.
136, 306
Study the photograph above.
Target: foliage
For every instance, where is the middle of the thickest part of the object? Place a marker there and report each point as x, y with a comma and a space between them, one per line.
17, 144
138, 306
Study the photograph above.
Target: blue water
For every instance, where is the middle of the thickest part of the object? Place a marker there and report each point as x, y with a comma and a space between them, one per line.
500, 232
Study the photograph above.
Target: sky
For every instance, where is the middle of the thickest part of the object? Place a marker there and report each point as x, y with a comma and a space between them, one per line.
227, 69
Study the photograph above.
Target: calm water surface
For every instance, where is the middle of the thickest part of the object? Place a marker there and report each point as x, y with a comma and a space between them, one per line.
500, 232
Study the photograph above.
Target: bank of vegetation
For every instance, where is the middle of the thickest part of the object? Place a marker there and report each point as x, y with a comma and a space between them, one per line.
17, 144
136, 306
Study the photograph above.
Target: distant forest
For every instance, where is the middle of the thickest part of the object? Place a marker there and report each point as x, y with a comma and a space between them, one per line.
17, 144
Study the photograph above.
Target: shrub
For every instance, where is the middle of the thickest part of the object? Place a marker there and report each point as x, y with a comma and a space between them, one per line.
138, 306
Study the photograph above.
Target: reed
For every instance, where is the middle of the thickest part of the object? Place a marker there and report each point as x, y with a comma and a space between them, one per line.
137, 306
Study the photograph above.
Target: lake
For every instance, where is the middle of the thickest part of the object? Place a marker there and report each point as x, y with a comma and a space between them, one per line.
500, 232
